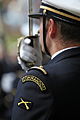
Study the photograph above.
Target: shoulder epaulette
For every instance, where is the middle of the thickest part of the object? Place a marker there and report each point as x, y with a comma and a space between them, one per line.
40, 68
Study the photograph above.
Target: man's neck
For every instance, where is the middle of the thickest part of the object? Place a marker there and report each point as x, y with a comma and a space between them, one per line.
58, 47
60, 51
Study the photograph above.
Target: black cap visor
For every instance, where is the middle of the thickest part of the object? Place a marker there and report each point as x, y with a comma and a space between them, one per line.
36, 15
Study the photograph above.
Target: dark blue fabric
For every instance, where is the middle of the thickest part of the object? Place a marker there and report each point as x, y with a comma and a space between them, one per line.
61, 99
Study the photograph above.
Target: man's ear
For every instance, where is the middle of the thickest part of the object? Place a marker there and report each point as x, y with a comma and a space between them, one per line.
52, 28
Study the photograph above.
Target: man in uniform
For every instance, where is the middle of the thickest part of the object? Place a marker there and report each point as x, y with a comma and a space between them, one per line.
52, 91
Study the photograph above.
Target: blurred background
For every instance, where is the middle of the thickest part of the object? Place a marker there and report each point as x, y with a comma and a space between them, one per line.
14, 23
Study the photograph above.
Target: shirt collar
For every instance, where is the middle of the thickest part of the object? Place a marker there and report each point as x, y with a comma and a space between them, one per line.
60, 51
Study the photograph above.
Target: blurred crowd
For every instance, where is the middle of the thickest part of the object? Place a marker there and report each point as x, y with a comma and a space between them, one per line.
9, 75
13, 24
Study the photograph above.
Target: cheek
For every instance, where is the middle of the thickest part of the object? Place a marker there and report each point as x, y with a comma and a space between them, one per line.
41, 42
41, 35
41, 38
41, 32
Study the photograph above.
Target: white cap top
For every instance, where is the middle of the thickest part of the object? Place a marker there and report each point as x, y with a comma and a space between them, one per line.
72, 6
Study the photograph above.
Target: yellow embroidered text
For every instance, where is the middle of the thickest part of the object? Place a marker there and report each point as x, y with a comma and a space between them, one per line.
31, 78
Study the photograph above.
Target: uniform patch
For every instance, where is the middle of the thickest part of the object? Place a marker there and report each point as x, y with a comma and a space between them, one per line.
31, 78
24, 104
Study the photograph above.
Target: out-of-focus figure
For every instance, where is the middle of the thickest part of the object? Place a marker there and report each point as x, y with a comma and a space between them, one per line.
8, 71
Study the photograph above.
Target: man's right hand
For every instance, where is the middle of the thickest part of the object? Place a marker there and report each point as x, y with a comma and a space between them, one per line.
27, 55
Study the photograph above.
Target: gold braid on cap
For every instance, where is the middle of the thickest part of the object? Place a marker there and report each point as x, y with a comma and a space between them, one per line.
60, 12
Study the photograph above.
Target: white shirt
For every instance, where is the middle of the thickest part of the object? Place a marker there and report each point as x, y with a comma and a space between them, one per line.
60, 51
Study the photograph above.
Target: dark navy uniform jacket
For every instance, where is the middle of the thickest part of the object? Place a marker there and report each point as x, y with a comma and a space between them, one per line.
51, 92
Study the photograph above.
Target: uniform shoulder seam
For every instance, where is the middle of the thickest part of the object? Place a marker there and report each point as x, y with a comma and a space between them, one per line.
40, 68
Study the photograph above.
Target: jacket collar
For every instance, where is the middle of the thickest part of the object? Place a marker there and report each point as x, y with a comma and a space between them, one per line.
66, 54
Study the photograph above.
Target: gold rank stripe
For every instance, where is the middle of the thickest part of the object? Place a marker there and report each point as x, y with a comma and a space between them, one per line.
60, 13
31, 78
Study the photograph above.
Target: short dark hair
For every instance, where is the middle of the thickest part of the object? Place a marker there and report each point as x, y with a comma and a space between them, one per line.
69, 32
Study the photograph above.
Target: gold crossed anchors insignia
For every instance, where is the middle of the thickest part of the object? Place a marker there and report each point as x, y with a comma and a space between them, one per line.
36, 80
25, 103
